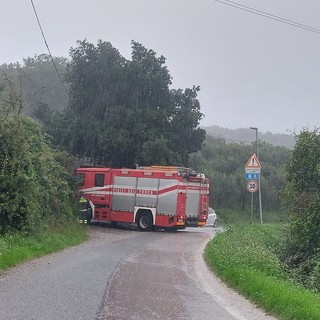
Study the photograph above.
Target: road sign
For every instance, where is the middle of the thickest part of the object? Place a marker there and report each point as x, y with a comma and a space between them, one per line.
253, 162
252, 176
253, 165
252, 185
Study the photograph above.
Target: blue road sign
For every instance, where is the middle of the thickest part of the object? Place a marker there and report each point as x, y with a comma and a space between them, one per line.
252, 176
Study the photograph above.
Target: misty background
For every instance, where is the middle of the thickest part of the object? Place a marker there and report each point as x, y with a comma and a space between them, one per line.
252, 71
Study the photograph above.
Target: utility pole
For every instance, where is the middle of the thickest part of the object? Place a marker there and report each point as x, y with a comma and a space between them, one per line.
257, 146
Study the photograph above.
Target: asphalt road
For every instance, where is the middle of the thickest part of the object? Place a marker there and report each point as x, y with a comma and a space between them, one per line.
123, 274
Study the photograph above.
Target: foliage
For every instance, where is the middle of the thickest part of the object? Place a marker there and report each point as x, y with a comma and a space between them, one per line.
122, 112
247, 258
301, 198
38, 82
224, 164
33, 185
303, 169
250, 246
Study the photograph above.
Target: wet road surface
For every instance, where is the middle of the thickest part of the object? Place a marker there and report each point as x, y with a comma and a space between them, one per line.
123, 274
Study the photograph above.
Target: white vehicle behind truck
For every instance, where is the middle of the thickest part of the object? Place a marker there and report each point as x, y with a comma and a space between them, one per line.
212, 220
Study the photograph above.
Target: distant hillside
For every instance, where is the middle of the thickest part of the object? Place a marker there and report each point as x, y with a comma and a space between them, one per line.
246, 135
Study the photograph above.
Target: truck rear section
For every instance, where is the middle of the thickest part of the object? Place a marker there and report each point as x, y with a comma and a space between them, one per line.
197, 201
196, 188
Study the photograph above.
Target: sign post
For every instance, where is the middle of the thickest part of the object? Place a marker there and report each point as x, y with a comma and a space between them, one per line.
253, 169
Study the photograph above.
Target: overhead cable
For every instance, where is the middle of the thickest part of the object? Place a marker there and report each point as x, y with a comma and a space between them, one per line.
45, 41
268, 15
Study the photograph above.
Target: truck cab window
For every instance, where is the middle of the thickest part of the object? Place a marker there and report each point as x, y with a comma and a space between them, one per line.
99, 180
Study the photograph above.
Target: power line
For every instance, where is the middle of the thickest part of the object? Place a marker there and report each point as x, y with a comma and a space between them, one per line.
45, 41
268, 15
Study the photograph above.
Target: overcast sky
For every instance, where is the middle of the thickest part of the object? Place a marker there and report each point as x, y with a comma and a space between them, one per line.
252, 71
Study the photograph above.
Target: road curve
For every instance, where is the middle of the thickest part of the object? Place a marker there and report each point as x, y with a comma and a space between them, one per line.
123, 274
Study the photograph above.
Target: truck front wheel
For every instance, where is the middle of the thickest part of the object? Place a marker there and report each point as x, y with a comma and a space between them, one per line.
144, 221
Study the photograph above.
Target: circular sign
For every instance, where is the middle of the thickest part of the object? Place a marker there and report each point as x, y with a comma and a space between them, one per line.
252, 185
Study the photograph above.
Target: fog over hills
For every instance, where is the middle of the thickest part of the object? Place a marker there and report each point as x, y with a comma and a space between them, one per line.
247, 135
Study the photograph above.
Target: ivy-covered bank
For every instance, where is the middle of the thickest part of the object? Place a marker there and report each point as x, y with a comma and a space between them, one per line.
35, 188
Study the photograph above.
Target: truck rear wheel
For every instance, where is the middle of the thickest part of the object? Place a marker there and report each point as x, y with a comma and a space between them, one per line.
144, 221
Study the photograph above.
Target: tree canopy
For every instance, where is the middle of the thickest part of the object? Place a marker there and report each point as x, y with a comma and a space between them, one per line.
123, 112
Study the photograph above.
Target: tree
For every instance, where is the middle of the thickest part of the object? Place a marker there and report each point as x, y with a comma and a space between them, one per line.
185, 135
122, 112
303, 167
301, 199
156, 151
94, 124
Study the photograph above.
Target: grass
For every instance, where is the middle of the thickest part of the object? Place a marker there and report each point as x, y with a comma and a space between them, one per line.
16, 248
246, 258
230, 216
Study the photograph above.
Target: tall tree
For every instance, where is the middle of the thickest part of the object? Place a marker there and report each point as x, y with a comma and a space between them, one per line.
94, 124
301, 199
122, 112
185, 134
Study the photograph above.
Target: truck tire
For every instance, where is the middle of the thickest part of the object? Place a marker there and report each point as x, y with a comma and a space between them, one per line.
144, 221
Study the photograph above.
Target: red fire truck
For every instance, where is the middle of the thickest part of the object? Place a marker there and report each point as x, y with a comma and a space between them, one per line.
152, 197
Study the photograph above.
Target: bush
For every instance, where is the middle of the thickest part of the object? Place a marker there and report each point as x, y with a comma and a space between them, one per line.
302, 253
34, 187
301, 199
